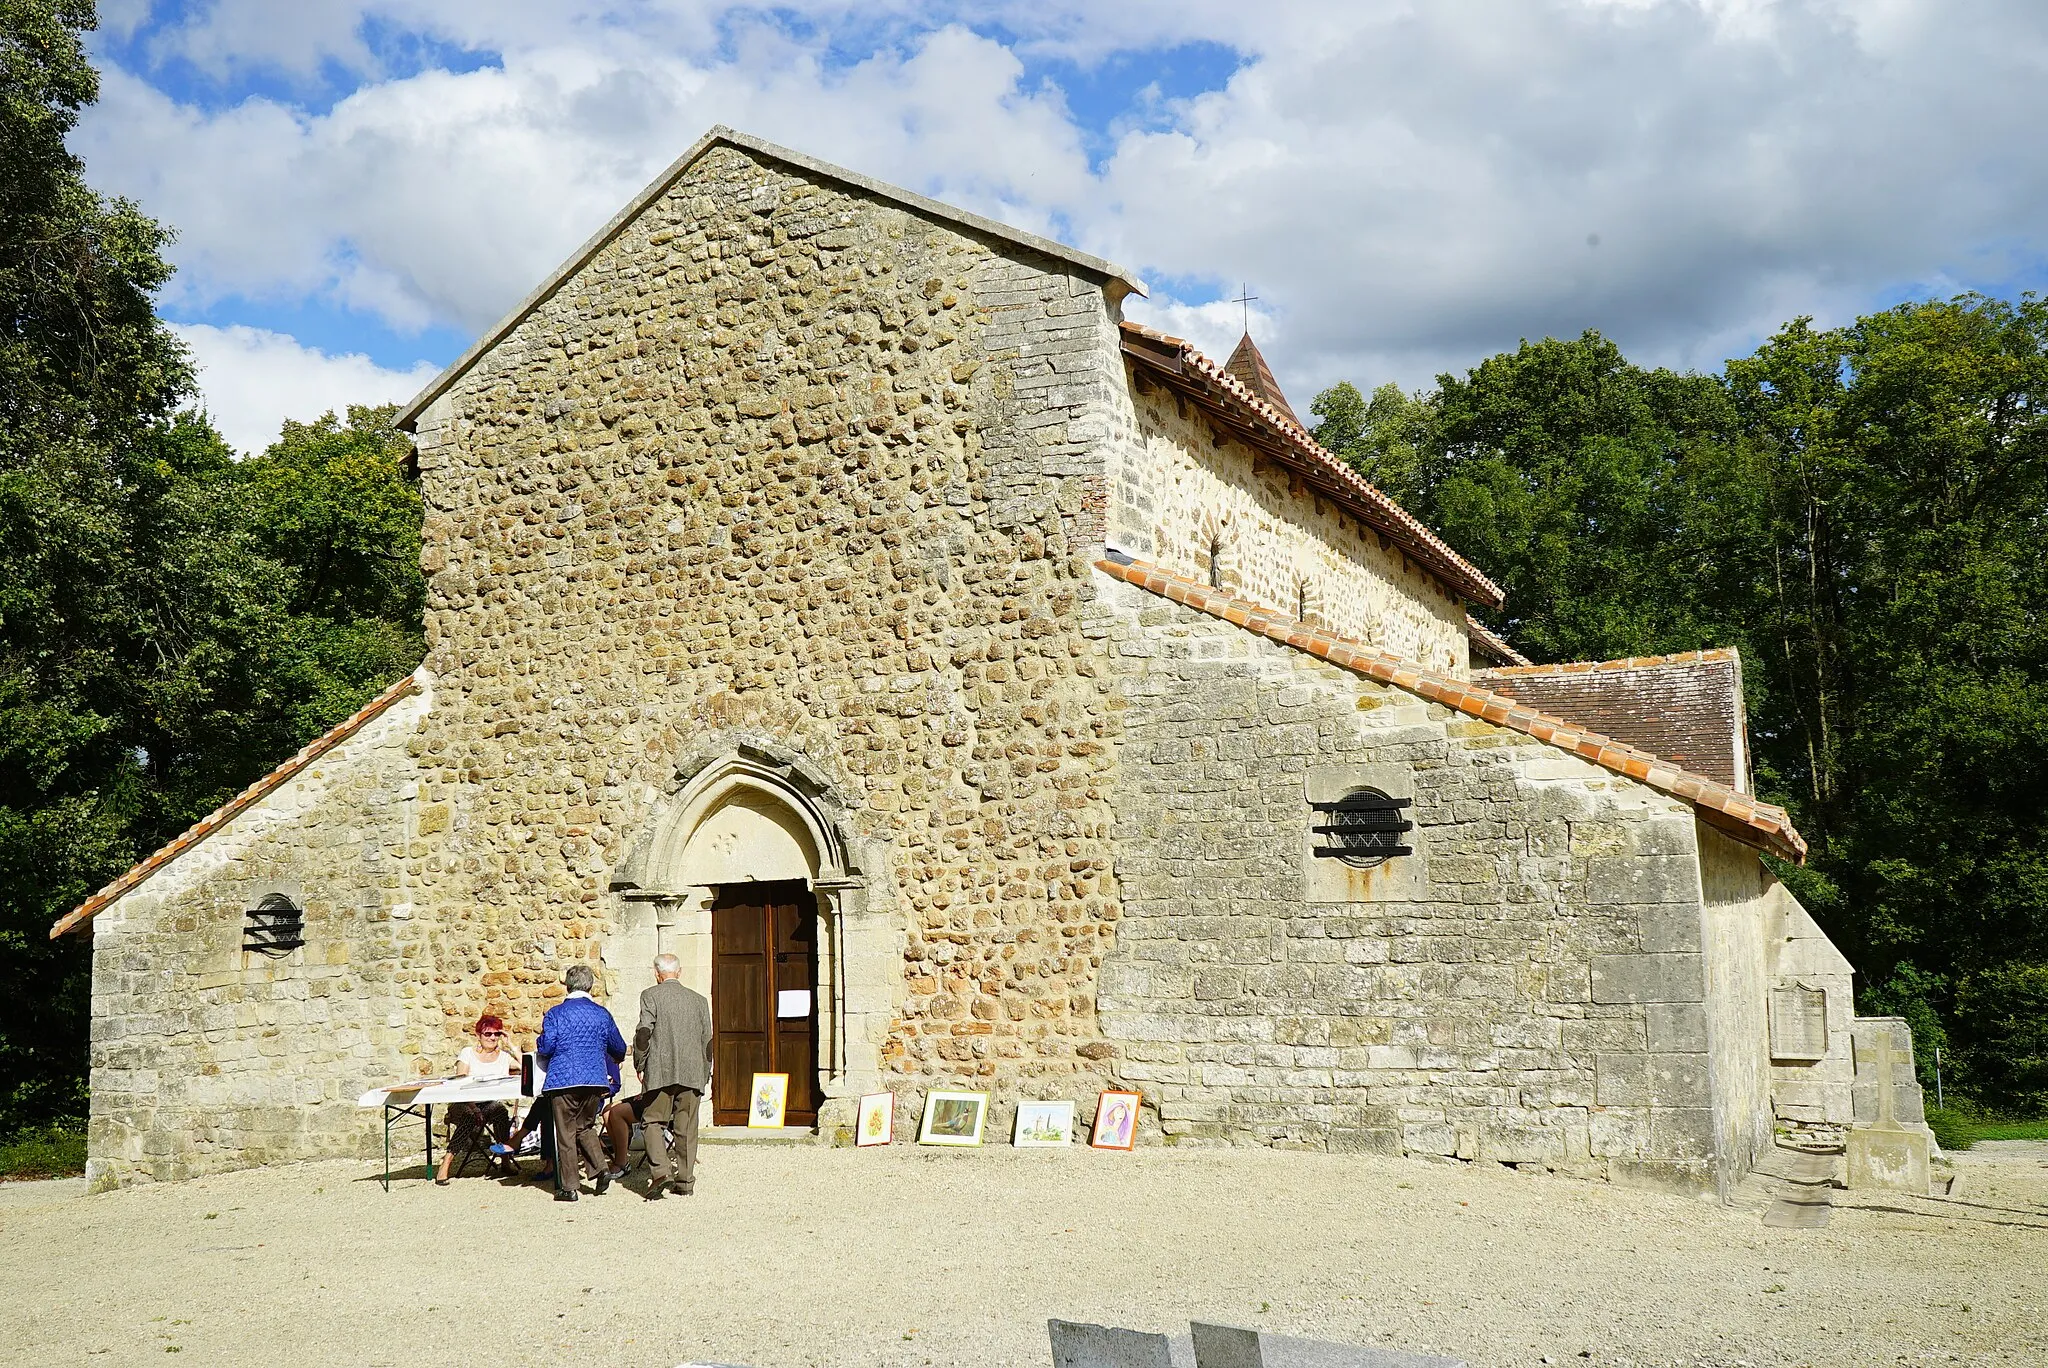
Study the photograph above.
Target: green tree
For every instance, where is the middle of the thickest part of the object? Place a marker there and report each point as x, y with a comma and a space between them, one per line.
2003, 1011
88, 379
172, 621
1581, 484
1907, 461
289, 592
335, 504
1383, 438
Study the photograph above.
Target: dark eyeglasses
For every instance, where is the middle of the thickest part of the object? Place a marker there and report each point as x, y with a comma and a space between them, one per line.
492, 1035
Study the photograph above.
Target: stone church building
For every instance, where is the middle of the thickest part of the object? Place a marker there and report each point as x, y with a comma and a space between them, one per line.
973, 688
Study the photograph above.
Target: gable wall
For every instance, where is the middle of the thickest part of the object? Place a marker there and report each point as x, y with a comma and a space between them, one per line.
207, 1057
1174, 490
1527, 987
787, 461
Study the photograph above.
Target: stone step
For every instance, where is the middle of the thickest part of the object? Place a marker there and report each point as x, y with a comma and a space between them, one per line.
752, 1135
1799, 1183
1799, 1165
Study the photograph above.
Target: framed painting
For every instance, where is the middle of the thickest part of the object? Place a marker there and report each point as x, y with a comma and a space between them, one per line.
1116, 1121
769, 1102
953, 1118
1043, 1125
876, 1121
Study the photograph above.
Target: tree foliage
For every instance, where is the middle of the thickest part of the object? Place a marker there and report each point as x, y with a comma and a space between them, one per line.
172, 621
1859, 510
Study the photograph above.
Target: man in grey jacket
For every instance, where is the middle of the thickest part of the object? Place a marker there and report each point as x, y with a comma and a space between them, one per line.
672, 1055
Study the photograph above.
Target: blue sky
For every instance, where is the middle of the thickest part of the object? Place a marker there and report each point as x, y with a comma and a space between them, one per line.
362, 186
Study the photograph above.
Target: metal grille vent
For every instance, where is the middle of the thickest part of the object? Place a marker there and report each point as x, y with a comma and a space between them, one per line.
275, 927
1363, 828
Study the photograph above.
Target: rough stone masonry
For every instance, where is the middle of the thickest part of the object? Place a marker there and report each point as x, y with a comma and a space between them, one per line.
784, 533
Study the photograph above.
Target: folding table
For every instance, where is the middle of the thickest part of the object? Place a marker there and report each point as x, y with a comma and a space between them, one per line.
418, 1098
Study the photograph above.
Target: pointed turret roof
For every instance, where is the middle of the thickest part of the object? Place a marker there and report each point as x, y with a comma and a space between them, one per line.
1249, 368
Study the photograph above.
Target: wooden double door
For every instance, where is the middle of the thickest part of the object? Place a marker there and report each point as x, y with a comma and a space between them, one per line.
764, 1007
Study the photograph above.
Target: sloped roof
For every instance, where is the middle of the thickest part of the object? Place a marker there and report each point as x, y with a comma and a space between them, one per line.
720, 135
1491, 644
1247, 365
1245, 415
1685, 707
226, 812
1757, 824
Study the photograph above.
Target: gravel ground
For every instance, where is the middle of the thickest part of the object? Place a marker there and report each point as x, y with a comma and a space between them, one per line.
798, 1255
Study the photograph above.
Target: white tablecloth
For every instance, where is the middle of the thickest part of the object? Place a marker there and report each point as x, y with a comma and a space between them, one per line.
443, 1091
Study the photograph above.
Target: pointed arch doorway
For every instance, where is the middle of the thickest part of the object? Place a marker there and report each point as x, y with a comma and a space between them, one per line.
745, 875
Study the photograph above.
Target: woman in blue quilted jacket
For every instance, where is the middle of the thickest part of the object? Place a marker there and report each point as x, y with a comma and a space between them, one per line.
581, 1048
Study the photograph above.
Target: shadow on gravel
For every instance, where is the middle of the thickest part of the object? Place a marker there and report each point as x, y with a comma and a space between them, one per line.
1955, 1216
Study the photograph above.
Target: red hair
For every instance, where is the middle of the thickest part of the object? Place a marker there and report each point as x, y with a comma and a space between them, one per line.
489, 1022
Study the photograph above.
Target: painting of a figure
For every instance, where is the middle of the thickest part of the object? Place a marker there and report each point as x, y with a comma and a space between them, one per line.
1116, 1121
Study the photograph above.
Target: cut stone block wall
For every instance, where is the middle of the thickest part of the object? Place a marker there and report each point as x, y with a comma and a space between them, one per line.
1528, 986
207, 1057
1176, 492
1737, 916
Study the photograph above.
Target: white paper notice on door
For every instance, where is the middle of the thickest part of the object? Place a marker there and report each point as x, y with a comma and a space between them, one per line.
792, 1002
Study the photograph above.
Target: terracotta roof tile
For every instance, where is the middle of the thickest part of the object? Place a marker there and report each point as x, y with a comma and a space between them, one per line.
1687, 707
1282, 436
1758, 824
226, 812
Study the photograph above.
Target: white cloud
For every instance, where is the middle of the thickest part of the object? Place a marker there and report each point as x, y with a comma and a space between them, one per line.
1436, 181
1408, 185
445, 197
252, 380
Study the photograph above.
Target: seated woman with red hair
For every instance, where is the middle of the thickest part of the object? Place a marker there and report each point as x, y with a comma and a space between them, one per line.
468, 1122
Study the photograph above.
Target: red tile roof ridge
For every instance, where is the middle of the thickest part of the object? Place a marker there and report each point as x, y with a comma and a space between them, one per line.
1759, 824
1656, 662
1461, 573
241, 802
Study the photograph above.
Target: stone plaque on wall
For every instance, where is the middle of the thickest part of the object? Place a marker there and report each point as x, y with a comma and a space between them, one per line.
1799, 1022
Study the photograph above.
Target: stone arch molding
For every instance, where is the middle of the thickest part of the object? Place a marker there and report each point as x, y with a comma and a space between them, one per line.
743, 810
